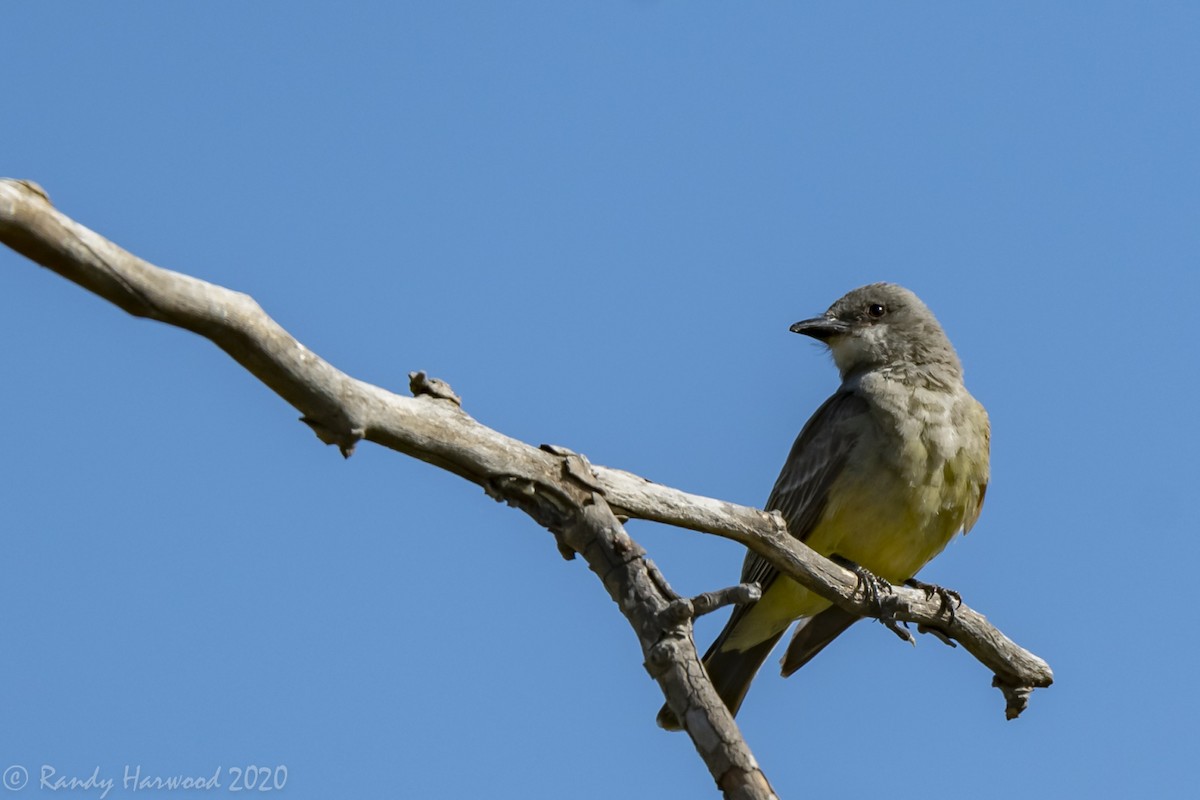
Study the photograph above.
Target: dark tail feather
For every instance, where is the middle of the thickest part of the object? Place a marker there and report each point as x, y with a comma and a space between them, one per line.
730, 672
813, 634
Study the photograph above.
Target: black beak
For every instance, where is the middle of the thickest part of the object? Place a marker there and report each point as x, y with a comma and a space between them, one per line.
821, 328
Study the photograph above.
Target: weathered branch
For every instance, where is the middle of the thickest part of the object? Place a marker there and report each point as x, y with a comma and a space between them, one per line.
559, 489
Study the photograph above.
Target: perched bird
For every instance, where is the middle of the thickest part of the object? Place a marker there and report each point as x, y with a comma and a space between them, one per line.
883, 475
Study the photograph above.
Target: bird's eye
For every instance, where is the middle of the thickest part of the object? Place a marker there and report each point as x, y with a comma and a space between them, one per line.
876, 310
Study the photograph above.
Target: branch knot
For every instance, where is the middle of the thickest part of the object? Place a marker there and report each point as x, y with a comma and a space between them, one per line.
421, 384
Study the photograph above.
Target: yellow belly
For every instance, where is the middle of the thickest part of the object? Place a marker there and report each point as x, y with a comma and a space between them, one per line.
887, 525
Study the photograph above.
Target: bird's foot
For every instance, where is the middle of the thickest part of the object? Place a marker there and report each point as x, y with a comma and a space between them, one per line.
878, 592
951, 599
872, 586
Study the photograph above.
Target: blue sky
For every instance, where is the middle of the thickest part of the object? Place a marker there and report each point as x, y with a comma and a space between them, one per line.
596, 222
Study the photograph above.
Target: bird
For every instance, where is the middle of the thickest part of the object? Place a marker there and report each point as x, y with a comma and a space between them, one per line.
882, 476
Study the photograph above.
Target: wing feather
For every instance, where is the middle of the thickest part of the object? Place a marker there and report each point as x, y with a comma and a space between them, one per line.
801, 490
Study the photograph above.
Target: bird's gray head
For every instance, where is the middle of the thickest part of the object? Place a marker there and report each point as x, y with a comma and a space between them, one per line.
883, 325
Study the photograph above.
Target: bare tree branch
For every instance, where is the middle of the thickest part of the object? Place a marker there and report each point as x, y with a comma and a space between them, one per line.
578, 502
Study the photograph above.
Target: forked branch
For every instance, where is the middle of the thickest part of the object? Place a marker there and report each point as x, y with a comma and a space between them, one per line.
579, 503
